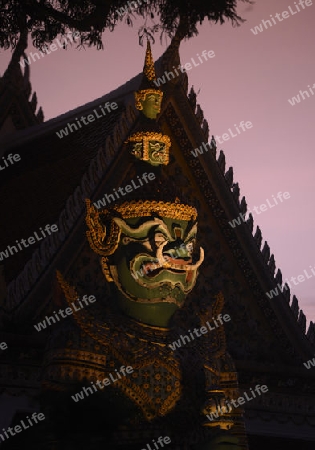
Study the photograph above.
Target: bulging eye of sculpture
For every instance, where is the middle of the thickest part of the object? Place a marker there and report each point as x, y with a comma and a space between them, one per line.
159, 239
126, 240
190, 246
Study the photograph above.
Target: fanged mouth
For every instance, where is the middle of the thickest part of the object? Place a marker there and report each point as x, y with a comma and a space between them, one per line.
173, 265
152, 269
153, 273
181, 268
165, 261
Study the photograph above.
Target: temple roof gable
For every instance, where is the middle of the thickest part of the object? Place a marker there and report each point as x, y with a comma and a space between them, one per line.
98, 155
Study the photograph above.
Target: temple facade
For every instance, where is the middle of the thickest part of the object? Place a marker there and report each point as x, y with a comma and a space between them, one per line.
133, 315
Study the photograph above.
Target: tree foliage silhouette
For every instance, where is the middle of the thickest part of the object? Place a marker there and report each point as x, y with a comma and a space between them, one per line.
45, 20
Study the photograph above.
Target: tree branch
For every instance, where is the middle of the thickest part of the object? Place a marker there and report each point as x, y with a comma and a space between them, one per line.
97, 18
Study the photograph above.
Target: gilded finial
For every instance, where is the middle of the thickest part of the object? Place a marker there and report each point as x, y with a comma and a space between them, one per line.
148, 68
148, 97
150, 146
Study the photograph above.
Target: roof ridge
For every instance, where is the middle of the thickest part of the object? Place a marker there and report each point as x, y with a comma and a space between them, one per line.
17, 83
116, 94
267, 258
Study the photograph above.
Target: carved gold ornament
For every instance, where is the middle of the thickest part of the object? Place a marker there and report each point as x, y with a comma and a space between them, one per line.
151, 146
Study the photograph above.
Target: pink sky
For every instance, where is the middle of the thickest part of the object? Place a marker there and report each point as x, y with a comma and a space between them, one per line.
251, 79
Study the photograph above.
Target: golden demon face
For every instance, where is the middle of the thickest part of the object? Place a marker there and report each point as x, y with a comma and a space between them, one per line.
149, 256
150, 147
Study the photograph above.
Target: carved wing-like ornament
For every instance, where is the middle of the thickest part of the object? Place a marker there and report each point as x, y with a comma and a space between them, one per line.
103, 234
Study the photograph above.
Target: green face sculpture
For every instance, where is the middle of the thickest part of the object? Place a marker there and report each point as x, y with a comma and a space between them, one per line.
153, 265
151, 105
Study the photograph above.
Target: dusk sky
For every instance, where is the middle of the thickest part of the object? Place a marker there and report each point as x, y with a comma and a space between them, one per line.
251, 78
